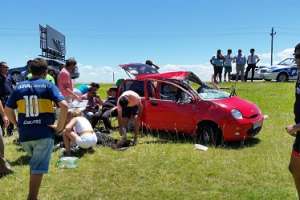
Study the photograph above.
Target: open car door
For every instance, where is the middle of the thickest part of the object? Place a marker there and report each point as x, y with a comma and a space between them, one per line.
136, 69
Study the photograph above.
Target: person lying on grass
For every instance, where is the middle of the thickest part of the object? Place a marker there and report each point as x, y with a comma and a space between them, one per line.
78, 131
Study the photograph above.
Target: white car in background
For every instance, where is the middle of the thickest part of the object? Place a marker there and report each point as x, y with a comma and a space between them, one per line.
258, 73
283, 71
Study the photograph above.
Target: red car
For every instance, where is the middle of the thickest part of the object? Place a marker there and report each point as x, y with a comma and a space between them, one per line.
172, 104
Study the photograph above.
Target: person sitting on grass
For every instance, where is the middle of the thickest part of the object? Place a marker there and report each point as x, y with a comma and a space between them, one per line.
92, 110
109, 108
129, 108
78, 131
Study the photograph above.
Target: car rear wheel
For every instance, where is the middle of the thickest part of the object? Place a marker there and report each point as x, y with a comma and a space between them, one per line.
282, 77
209, 135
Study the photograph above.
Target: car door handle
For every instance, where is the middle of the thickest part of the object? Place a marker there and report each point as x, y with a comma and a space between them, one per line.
153, 102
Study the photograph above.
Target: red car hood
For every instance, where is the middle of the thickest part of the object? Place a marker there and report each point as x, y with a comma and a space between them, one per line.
247, 108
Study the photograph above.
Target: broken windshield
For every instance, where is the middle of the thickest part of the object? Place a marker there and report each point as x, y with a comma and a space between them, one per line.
209, 93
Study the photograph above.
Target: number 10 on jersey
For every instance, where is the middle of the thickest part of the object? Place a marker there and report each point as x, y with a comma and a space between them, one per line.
31, 106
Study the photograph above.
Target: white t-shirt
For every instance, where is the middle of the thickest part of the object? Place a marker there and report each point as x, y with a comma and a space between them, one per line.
82, 125
252, 59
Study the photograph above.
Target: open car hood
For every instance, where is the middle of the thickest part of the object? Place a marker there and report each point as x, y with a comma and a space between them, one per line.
136, 69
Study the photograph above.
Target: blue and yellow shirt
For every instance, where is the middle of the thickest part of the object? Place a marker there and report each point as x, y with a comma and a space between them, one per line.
33, 100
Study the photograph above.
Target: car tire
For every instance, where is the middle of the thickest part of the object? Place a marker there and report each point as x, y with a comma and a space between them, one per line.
282, 77
209, 135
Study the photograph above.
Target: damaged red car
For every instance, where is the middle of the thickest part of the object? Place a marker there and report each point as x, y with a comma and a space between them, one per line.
180, 102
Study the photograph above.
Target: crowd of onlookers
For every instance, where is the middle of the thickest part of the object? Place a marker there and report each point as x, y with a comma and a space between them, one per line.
224, 63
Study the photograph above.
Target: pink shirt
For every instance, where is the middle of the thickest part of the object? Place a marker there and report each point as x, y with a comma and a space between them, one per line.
64, 81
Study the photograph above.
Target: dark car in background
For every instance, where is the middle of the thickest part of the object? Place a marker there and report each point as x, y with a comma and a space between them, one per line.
54, 66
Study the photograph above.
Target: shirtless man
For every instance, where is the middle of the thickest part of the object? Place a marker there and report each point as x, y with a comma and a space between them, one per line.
129, 108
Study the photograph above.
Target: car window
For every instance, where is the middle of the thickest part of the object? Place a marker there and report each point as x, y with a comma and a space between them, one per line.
134, 85
287, 62
173, 93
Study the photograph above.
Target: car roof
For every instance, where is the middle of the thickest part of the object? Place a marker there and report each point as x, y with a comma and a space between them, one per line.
177, 75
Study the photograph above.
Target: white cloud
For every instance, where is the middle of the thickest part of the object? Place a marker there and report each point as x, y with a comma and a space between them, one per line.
204, 71
286, 53
104, 74
277, 57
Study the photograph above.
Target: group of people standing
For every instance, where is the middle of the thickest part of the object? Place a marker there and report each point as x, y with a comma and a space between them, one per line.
221, 62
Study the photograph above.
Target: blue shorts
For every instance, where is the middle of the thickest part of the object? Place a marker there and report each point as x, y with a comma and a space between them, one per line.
40, 153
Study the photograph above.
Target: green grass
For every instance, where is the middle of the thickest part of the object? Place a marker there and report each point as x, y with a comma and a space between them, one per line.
175, 170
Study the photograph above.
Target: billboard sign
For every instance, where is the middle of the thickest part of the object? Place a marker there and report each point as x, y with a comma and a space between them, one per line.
52, 43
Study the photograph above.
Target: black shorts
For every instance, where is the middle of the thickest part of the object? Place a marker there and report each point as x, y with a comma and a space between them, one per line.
129, 112
296, 145
219, 69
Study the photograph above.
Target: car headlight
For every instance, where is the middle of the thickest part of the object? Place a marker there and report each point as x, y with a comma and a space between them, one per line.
236, 114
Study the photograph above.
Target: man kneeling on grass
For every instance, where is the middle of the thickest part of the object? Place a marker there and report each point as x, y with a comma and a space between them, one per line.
33, 100
129, 108
78, 131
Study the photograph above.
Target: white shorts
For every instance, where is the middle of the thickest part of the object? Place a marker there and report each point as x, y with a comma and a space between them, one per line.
86, 141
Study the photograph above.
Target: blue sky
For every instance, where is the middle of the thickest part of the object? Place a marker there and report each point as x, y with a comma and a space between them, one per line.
176, 34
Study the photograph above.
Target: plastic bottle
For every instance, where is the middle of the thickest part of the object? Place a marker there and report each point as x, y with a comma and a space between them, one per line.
67, 162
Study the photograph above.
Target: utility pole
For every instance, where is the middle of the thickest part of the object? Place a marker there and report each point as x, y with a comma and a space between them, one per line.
272, 39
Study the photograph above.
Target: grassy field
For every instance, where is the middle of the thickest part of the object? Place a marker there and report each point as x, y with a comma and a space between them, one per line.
172, 169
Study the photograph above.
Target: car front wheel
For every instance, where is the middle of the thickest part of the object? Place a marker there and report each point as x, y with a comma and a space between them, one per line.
209, 135
282, 77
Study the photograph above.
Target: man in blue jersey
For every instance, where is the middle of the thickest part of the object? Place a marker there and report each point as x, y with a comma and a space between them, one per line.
33, 99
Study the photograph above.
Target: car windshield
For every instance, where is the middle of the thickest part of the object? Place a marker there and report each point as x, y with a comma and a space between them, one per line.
287, 62
209, 93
